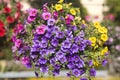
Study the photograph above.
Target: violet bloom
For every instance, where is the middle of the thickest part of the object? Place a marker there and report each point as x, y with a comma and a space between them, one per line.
60, 34
54, 42
83, 79
76, 58
92, 72
74, 48
76, 72
82, 46
78, 39
48, 34
90, 63
50, 22
88, 42
43, 52
69, 35
42, 60
55, 72
82, 34
33, 12
83, 26
51, 50
41, 29
104, 62
35, 48
66, 44
59, 54
43, 44
70, 65
46, 15
57, 66
80, 64
44, 69
63, 59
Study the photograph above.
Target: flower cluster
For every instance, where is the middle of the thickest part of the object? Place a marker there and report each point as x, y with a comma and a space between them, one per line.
9, 15
55, 38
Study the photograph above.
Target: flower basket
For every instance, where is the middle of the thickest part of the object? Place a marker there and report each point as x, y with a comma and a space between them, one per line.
55, 38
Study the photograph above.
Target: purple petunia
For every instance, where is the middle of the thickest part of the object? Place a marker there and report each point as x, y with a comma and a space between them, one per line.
83, 78
66, 44
104, 62
92, 72
43, 44
50, 22
74, 48
44, 69
54, 42
42, 60
60, 34
55, 72
76, 72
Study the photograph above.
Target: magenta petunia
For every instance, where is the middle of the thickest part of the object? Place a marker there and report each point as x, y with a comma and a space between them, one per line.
46, 15
41, 29
33, 12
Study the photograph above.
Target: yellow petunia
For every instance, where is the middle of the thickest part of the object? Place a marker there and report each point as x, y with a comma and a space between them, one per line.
72, 11
97, 24
104, 37
60, 1
58, 7
105, 50
102, 30
92, 39
95, 63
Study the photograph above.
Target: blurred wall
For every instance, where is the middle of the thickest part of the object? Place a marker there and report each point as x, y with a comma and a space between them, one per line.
94, 8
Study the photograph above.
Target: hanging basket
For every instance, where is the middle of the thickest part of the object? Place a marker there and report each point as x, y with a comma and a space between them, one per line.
55, 38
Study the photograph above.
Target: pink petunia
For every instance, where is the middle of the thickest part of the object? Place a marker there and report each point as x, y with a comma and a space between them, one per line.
18, 43
33, 12
30, 19
46, 15
69, 18
25, 60
41, 29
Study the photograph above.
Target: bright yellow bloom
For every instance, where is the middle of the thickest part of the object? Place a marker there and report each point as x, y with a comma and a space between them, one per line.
102, 30
92, 39
72, 11
97, 24
58, 7
60, 1
104, 37
105, 50
95, 63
